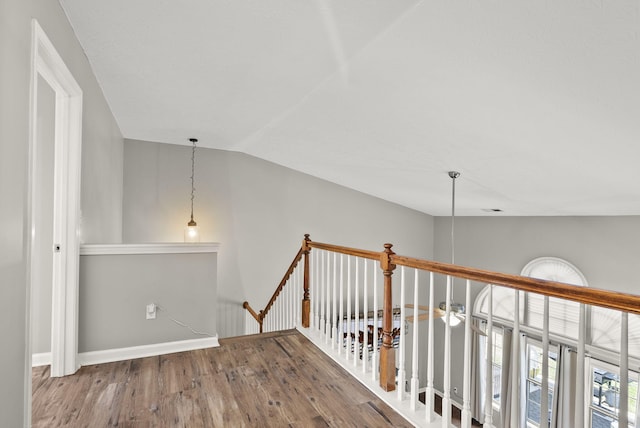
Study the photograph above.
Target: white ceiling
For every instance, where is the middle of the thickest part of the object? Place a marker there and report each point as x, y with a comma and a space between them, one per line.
536, 103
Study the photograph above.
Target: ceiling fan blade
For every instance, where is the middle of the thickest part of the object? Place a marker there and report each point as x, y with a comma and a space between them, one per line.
421, 307
437, 313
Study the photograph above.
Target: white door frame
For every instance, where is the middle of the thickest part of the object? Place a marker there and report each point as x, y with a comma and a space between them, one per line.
47, 63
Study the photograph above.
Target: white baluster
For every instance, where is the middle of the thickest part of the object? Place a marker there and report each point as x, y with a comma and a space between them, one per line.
312, 286
446, 397
296, 301
266, 324
335, 320
580, 379
279, 314
322, 292
365, 309
290, 289
515, 359
300, 295
374, 356
402, 374
356, 325
488, 405
430, 391
327, 327
623, 410
415, 382
288, 308
348, 350
292, 301
341, 337
466, 376
544, 402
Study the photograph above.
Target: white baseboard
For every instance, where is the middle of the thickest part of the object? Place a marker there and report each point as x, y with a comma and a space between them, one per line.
120, 354
42, 359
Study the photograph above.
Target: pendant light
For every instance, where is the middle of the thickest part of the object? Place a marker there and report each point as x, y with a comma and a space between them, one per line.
192, 232
455, 308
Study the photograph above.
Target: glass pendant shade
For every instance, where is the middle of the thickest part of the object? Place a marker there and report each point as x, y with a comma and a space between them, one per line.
453, 320
192, 232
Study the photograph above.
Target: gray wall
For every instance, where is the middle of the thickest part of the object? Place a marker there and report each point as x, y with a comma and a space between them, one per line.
605, 249
102, 176
115, 289
259, 212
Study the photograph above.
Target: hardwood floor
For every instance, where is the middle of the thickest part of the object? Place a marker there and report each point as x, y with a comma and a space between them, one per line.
271, 380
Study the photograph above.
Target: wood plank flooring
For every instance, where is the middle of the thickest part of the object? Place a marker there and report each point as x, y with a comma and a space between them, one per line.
271, 380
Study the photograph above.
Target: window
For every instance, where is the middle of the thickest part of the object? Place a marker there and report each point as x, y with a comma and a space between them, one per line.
497, 367
533, 387
605, 398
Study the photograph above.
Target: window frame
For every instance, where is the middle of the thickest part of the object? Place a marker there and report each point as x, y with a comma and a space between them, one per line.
589, 385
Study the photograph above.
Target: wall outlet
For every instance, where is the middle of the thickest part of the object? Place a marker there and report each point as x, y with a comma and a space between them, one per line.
151, 311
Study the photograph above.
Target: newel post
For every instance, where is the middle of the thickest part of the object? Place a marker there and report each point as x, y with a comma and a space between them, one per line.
306, 303
387, 352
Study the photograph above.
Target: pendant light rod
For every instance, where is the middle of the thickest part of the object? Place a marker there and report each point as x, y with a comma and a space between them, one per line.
453, 175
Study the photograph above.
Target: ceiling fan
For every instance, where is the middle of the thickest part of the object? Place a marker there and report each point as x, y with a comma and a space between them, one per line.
457, 315
456, 310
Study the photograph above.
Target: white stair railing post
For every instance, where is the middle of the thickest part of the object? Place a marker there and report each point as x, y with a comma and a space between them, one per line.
314, 290
623, 409
356, 313
430, 391
327, 326
402, 374
544, 396
415, 382
488, 405
374, 356
335, 320
446, 396
365, 319
348, 322
580, 371
515, 358
466, 382
341, 329
322, 295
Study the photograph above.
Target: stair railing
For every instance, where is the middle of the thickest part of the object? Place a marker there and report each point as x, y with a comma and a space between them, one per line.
286, 314
331, 295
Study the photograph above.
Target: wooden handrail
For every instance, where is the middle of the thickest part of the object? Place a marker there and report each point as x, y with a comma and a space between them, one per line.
253, 313
365, 254
587, 295
284, 280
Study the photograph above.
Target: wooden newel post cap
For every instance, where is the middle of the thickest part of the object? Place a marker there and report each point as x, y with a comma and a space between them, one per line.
385, 258
305, 242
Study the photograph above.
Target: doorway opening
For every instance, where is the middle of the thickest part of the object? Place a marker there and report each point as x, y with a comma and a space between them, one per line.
53, 212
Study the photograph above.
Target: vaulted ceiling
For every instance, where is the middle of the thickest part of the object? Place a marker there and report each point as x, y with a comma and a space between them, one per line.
536, 103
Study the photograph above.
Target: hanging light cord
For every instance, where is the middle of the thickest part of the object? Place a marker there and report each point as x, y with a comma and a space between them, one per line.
193, 161
453, 175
